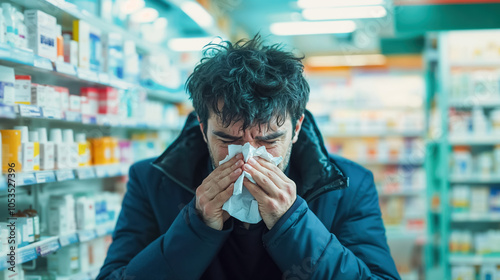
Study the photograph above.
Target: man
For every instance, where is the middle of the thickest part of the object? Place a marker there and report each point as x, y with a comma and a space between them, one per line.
320, 213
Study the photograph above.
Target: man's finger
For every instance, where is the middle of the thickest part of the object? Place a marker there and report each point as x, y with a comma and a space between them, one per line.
215, 187
223, 196
265, 182
256, 191
273, 168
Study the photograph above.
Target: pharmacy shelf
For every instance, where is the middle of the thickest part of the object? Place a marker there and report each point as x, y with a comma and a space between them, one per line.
471, 259
60, 73
472, 217
474, 103
41, 177
475, 63
389, 161
332, 133
382, 193
22, 111
474, 140
460, 179
86, 275
50, 244
401, 232
66, 13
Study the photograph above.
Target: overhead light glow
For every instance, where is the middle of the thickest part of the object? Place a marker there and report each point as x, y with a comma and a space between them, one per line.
344, 13
346, 60
317, 27
144, 15
191, 44
196, 12
306, 4
130, 6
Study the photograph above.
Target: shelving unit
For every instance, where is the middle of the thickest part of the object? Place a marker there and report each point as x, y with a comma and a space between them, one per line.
371, 128
50, 244
442, 101
40, 185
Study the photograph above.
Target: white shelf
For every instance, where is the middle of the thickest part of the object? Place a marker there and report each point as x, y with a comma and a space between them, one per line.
471, 217
66, 12
473, 140
389, 161
475, 63
23, 60
458, 179
50, 244
36, 112
401, 193
332, 133
41, 177
475, 103
471, 259
86, 275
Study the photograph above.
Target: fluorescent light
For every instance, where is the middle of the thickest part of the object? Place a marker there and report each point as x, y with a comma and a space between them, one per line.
196, 12
305, 4
317, 27
130, 6
344, 13
144, 15
346, 60
191, 44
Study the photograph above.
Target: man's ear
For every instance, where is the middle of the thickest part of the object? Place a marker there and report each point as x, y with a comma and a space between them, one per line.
202, 131
297, 128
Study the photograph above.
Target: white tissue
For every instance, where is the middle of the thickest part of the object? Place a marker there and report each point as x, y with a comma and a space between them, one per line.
242, 204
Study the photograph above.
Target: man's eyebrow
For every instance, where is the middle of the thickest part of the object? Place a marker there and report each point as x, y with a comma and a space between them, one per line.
225, 135
271, 136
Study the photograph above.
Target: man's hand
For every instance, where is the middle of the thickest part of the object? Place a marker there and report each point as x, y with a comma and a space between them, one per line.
274, 191
215, 190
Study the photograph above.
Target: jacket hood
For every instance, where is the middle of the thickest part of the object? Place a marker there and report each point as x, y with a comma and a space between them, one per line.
311, 167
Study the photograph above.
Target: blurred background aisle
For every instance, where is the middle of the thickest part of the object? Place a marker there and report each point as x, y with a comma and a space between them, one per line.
410, 89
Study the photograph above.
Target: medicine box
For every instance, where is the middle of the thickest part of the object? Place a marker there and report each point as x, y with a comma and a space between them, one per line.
41, 33
23, 89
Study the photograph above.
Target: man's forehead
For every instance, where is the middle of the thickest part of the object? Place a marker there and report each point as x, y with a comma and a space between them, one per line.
236, 127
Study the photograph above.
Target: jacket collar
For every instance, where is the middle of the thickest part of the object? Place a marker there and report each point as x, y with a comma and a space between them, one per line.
313, 170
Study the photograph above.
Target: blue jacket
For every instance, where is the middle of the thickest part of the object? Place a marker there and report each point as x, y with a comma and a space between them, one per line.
333, 230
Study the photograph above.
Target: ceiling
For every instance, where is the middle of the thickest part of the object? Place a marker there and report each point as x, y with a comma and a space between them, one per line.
253, 16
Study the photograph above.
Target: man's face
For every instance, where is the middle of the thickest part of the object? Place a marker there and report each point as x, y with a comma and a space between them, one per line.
277, 139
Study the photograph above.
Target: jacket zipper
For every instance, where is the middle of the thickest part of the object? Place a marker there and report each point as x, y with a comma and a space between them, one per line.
173, 178
337, 184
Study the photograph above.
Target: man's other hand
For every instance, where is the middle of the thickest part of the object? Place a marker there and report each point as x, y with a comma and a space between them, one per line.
215, 190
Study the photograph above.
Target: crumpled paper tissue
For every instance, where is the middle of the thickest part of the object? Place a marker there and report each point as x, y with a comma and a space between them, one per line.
242, 205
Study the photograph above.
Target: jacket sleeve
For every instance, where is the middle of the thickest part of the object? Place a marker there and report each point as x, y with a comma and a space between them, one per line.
304, 248
140, 251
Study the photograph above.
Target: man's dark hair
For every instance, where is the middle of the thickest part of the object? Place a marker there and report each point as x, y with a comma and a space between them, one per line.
255, 83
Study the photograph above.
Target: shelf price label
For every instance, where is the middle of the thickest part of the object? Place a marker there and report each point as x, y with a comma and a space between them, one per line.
66, 174
26, 255
7, 111
65, 68
27, 179
85, 173
48, 247
65, 240
44, 63
30, 111
88, 75
86, 235
73, 116
52, 113
45, 177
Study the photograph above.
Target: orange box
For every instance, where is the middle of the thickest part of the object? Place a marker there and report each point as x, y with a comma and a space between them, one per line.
11, 150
